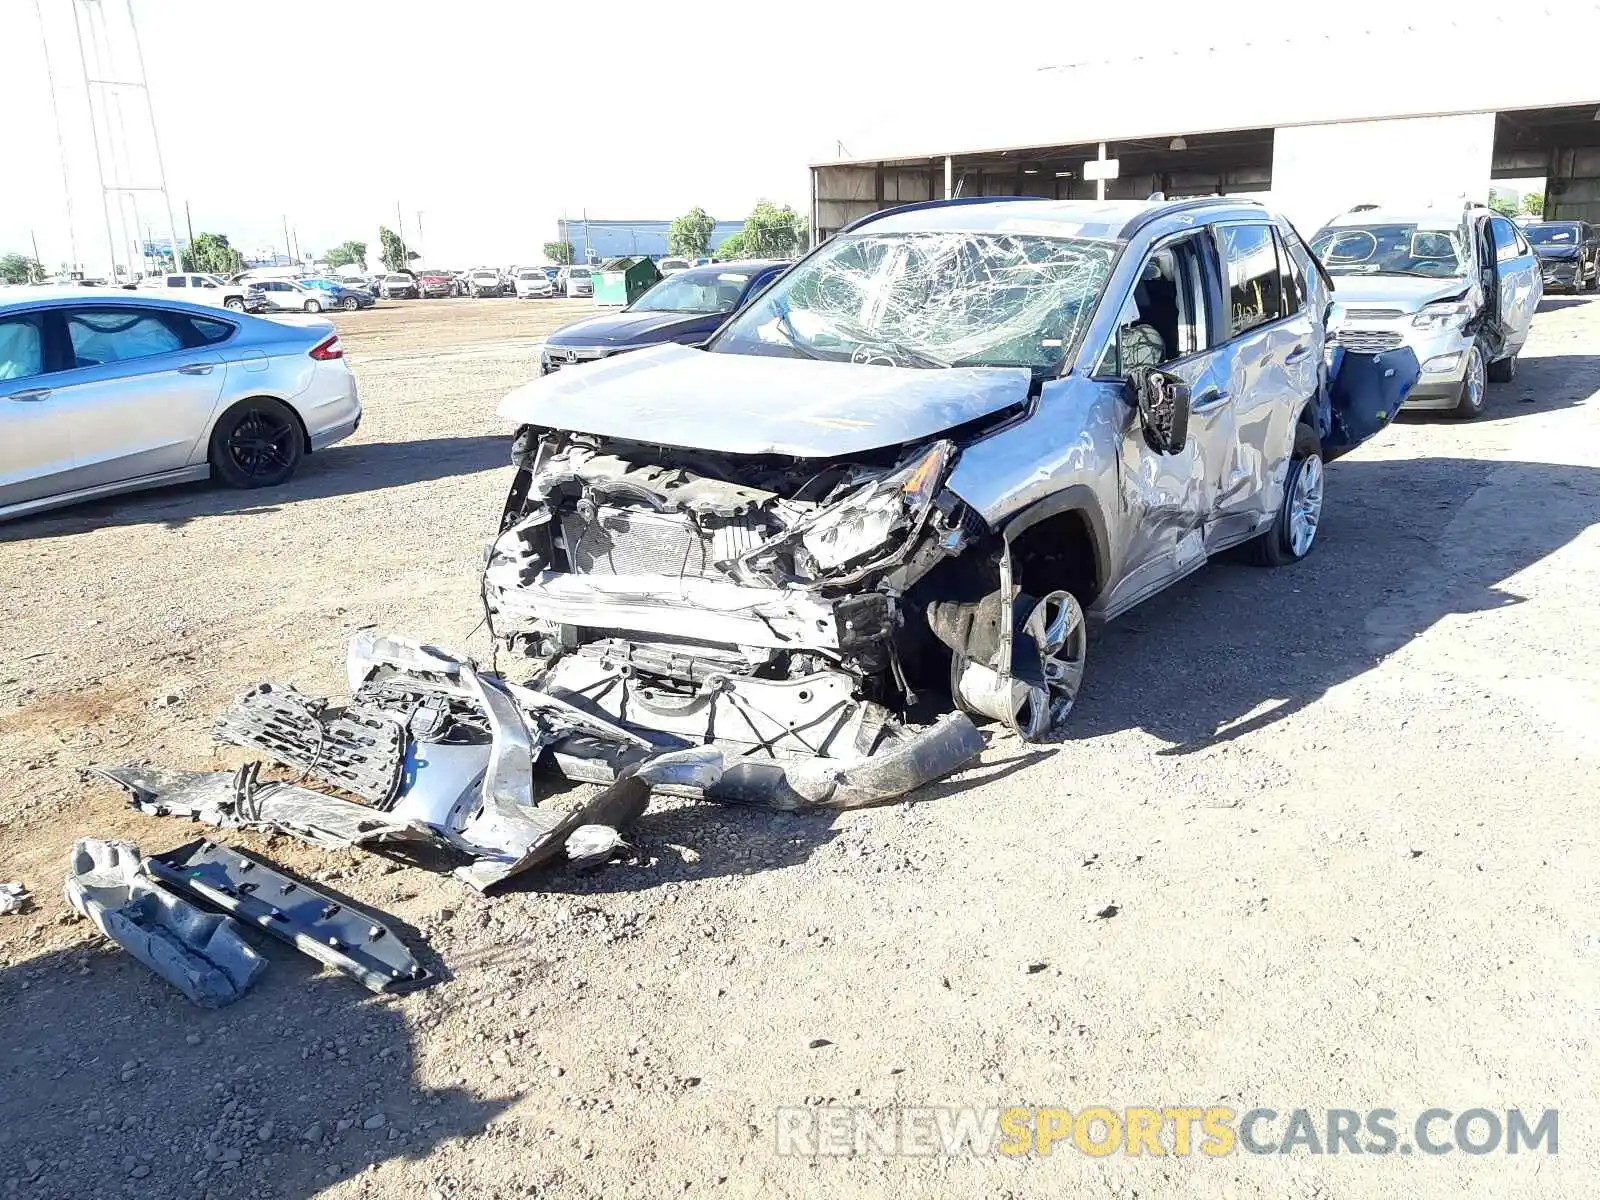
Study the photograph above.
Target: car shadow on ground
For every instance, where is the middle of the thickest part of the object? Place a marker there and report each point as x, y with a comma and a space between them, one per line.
1234, 647
111, 1081
1555, 303
337, 471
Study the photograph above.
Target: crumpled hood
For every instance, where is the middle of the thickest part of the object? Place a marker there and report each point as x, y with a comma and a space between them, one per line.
1556, 250
625, 328
671, 395
1406, 292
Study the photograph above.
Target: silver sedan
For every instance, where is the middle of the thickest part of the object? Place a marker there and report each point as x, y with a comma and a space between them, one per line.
108, 392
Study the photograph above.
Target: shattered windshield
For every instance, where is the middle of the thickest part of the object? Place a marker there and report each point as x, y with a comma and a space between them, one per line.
1391, 250
700, 292
936, 299
1552, 235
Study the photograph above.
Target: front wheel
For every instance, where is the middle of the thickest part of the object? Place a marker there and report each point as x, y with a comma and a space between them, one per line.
1293, 531
350, 304
1503, 370
234, 303
1470, 402
257, 443
313, 306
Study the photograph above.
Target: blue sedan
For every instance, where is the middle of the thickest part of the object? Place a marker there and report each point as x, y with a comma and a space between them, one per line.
340, 295
686, 307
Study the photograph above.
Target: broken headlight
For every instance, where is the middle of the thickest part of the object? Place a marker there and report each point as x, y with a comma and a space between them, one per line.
863, 521
1442, 315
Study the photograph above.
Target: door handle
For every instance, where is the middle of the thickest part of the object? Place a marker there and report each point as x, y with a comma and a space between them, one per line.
1297, 354
30, 394
196, 369
1209, 396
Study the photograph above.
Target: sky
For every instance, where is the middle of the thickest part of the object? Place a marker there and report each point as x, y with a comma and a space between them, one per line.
483, 122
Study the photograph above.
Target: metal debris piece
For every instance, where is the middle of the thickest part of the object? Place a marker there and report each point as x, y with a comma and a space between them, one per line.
13, 897
358, 748
238, 800
204, 955
250, 889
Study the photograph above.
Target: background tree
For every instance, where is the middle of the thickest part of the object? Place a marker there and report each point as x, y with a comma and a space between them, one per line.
1501, 203
211, 254
690, 235
732, 247
559, 253
19, 268
771, 231
1533, 204
347, 254
395, 255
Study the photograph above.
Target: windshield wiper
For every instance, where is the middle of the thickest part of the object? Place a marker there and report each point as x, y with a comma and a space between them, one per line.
786, 328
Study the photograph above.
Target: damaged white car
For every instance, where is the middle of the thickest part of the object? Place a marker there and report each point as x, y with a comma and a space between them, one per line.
896, 483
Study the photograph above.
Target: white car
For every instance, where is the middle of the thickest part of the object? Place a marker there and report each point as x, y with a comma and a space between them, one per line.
533, 283
671, 266
282, 295
198, 288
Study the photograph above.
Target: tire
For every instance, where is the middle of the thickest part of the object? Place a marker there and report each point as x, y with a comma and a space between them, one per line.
1470, 402
1503, 370
235, 305
1293, 532
313, 306
350, 304
257, 443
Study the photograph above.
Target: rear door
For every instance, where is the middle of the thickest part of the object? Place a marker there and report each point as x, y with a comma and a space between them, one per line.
1268, 372
35, 436
140, 389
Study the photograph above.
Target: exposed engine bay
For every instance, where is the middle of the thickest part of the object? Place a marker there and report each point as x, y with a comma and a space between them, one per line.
778, 608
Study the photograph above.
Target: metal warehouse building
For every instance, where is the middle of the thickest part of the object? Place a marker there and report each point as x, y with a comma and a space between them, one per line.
1395, 115
596, 241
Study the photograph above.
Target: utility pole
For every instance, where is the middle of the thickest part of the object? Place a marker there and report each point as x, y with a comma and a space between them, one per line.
288, 251
37, 261
188, 221
99, 162
400, 220
61, 148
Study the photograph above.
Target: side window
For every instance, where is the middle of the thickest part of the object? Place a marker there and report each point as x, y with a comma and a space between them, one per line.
109, 335
208, 332
1255, 288
1505, 239
1163, 318
21, 348
177, 281
202, 281
1293, 279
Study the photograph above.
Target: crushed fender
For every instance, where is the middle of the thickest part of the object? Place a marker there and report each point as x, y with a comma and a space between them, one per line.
204, 955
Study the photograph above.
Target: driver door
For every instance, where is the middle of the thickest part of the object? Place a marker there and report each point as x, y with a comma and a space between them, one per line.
1519, 282
1169, 320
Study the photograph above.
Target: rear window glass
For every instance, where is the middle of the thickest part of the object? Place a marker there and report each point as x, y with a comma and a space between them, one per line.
108, 336
21, 349
208, 332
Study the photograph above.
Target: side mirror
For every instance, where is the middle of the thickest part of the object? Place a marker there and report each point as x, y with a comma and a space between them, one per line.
1163, 404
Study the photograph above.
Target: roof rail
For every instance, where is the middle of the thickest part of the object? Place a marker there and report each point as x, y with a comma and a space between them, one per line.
917, 206
1174, 206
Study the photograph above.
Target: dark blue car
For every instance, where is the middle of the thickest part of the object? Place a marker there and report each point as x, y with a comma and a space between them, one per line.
685, 307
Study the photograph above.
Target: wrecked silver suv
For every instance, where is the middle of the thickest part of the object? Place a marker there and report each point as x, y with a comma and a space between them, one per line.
897, 481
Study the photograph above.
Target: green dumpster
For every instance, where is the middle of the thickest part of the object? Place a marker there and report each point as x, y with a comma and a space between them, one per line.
623, 280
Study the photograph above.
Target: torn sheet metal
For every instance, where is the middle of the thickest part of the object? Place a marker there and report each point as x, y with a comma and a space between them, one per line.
204, 955
331, 932
238, 800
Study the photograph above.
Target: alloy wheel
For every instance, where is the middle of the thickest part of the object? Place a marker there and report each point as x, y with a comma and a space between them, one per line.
1475, 380
260, 444
1305, 505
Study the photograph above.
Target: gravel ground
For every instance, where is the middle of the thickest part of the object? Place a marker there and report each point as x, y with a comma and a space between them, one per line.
1323, 839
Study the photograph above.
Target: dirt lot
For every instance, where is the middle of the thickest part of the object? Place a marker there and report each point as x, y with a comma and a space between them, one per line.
1325, 839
